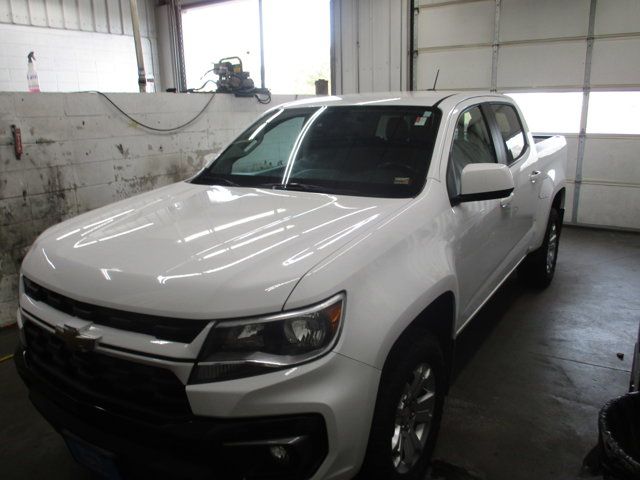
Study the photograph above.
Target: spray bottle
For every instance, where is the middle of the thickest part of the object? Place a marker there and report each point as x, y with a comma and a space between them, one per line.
32, 75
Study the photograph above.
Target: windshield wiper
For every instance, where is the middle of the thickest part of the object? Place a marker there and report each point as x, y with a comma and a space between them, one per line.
215, 178
302, 187
309, 187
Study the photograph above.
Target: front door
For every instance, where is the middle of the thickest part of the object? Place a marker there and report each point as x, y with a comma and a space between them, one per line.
484, 228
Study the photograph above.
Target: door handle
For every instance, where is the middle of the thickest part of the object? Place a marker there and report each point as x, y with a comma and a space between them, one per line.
506, 202
534, 175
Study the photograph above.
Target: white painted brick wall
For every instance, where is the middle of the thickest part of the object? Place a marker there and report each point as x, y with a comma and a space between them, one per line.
80, 154
70, 61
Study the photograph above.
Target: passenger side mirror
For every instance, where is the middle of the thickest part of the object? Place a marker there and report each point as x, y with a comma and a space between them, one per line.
484, 181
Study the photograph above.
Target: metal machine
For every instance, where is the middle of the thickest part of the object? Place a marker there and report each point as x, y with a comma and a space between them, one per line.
232, 77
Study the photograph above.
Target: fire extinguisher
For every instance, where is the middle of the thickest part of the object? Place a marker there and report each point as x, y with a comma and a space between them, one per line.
32, 75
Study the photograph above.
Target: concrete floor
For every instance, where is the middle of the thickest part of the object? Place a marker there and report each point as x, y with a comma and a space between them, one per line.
533, 368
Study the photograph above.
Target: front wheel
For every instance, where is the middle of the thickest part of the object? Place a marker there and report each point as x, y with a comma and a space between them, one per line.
539, 266
408, 411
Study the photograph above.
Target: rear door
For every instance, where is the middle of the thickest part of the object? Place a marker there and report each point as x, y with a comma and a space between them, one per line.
515, 152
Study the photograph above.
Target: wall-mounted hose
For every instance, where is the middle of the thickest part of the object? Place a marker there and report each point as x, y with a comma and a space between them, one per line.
6, 358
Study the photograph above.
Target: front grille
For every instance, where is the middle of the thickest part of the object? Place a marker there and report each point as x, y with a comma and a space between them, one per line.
108, 382
163, 328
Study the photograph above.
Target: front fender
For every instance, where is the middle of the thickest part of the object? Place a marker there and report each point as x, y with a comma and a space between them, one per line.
390, 275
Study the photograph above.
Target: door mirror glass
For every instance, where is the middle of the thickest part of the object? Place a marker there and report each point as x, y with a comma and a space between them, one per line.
484, 181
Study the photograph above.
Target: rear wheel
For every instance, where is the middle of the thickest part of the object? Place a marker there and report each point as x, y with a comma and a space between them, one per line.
408, 411
539, 267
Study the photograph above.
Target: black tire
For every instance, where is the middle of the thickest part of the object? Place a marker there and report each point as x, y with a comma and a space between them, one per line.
411, 354
538, 268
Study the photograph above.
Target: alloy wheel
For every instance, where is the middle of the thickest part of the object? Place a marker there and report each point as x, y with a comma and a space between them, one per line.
413, 418
552, 248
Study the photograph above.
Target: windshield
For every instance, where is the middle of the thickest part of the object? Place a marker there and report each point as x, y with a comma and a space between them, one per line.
361, 150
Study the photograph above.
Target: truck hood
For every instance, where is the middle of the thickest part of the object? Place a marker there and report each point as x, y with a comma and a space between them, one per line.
201, 252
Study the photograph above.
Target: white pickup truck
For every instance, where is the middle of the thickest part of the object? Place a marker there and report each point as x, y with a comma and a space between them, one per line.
291, 311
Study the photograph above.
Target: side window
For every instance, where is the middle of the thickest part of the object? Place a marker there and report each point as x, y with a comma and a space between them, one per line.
471, 144
510, 129
273, 149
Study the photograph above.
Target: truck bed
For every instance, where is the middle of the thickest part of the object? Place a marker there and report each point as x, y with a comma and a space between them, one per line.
549, 144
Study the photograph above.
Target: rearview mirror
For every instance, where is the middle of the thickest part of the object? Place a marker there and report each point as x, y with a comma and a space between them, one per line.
484, 181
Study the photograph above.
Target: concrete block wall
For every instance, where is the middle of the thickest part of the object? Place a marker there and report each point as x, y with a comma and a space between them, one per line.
80, 154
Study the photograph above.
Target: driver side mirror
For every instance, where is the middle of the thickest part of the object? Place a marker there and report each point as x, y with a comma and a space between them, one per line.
484, 181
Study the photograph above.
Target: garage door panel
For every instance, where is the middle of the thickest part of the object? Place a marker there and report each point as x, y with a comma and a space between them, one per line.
541, 65
527, 20
568, 201
612, 159
617, 16
616, 61
572, 155
607, 205
459, 68
472, 24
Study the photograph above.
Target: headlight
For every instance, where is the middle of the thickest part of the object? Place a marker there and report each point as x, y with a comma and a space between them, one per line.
242, 348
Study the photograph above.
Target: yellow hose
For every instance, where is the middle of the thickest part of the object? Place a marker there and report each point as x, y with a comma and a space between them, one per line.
5, 358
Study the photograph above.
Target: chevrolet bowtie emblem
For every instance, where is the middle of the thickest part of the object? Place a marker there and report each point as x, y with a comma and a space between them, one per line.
76, 339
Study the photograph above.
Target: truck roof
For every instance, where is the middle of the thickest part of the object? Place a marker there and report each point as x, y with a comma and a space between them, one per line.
416, 98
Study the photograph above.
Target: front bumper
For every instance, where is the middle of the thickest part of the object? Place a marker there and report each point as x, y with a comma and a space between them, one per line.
196, 447
322, 410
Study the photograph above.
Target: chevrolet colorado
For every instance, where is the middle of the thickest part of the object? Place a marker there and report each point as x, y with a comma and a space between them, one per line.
291, 311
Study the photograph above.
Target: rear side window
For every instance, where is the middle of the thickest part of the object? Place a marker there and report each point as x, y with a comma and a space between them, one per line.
511, 130
471, 144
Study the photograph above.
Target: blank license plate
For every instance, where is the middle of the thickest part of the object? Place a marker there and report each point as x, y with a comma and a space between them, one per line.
92, 457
